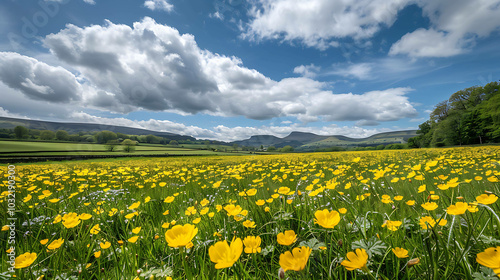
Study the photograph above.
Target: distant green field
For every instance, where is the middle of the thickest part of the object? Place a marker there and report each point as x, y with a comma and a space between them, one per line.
16, 149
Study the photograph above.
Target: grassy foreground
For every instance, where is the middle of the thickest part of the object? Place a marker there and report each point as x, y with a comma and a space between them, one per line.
412, 214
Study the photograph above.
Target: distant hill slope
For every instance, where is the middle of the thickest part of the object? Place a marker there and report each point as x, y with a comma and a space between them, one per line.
303, 141
78, 127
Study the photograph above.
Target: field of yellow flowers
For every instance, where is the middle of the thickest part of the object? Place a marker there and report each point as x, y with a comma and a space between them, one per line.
410, 214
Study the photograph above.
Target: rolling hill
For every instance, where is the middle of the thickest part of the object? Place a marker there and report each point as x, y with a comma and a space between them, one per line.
86, 127
304, 141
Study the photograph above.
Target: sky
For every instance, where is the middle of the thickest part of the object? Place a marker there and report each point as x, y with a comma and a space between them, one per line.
229, 69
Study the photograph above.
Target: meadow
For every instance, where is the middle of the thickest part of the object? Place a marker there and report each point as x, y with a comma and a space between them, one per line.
406, 214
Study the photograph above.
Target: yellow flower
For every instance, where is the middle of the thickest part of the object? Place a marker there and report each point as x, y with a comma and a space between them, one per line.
260, 202
356, 260
487, 199
95, 229
398, 197
342, 210
190, 211
429, 206
233, 210
134, 205
197, 221
458, 208
490, 258
180, 236
400, 252
410, 202
295, 260
327, 219
427, 222
44, 241
5, 228
225, 255
105, 245
85, 216
133, 239
252, 244
55, 244
392, 225
287, 238
24, 260
97, 254
71, 220
421, 189
169, 199
249, 224
284, 190
136, 230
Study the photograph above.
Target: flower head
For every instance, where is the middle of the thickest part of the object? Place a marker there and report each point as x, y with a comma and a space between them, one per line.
490, 258
326, 218
252, 244
487, 199
392, 225
55, 244
400, 252
71, 220
225, 255
287, 238
458, 208
356, 260
295, 260
180, 236
25, 260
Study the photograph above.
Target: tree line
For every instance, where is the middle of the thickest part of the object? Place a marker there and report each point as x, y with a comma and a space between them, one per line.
470, 116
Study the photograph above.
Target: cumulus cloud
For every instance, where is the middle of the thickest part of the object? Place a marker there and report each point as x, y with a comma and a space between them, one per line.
7, 114
153, 67
317, 23
162, 5
455, 25
38, 80
308, 71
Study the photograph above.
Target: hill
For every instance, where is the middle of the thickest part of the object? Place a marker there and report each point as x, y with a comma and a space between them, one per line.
86, 127
304, 141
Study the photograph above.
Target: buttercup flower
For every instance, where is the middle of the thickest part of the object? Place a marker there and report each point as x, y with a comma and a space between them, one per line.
326, 218
400, 252
225, 255
287, 238
487, 199
356, 260
180, 236
252, 244
458, 209
392, 225
71, 220
490, 258
25, 260
55, 244
295, 260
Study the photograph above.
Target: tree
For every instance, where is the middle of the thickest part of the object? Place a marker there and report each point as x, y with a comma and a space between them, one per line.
271, 149
62, 135
111, 145
105, 136
286, 149
129, 145
152, 139
47, 135
173, 143
21, 132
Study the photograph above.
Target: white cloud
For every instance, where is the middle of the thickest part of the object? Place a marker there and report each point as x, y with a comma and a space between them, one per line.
360, 71
455, 25
151, 66
7, 114
224, 133
91, 2
38, 80
162, 5
308, 71
317, 23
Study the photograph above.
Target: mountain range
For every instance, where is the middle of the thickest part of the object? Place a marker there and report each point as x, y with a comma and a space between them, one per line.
301, 141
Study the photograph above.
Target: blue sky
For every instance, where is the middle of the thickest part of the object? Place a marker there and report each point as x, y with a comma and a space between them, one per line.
229, 69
